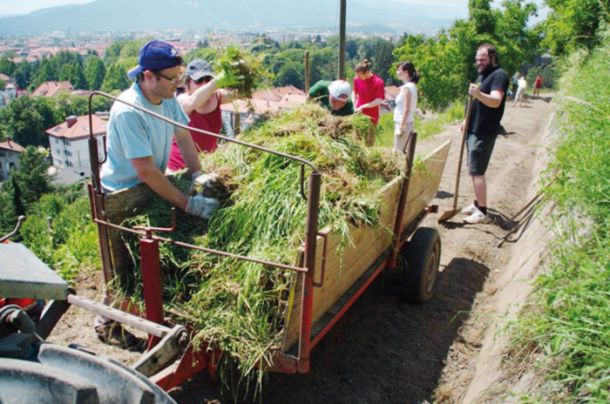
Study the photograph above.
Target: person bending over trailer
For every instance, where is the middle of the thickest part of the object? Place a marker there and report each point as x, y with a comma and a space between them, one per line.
139, 144
333, 95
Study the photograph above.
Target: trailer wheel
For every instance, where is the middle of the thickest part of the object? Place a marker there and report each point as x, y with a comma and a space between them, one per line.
422, 255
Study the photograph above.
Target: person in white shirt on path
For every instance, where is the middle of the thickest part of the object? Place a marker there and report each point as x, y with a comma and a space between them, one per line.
406, 103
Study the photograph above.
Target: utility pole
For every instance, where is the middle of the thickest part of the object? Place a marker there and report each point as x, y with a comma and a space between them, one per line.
342, 39
307, 72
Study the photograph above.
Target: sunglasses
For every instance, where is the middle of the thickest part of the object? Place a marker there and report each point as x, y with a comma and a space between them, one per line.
176, 80
204, 79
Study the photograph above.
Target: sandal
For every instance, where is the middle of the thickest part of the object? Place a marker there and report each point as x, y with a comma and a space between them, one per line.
113, 333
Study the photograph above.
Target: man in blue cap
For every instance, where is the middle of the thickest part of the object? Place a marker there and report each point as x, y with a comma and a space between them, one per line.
138, 146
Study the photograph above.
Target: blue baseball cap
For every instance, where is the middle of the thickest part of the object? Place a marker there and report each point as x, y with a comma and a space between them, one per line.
155, 55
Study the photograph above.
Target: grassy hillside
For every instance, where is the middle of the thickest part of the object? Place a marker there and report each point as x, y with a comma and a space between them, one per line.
566, 323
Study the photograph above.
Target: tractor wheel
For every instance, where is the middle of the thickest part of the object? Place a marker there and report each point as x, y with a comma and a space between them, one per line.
422, 257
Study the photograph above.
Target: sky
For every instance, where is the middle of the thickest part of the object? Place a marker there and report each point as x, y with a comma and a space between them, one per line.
27, 6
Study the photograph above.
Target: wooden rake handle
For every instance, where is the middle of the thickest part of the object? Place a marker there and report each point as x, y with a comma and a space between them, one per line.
459, 167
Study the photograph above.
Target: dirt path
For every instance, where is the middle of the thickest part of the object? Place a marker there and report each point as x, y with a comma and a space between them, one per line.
388, 351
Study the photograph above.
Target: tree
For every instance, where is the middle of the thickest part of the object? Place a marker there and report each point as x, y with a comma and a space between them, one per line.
116, 78
574, 23
95, 71
73, 72
8, 216
23, 74
291, 73
29, 118
379, 52
32, 178
442, 78
7, 66
445, 62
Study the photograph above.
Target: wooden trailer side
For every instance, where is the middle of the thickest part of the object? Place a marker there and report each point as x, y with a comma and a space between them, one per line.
343, 265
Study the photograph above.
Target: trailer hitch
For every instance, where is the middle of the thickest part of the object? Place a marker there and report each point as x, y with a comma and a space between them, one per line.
162, 354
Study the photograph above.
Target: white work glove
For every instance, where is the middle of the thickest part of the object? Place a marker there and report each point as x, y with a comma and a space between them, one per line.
208, 185
201, 206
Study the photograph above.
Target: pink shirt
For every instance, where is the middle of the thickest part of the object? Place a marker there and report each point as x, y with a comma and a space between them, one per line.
367, 91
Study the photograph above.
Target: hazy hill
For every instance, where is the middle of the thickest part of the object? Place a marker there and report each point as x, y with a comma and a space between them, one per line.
236, 15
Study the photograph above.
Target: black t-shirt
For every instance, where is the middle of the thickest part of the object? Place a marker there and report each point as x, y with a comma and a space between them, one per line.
485, 120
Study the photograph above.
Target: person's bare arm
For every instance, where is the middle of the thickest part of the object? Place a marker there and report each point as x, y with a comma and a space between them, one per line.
374, 103
405, 115
227, 96
491, 100
148, 172
190, 102
188, 149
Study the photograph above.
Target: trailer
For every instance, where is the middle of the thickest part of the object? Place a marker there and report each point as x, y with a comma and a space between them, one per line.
329, 278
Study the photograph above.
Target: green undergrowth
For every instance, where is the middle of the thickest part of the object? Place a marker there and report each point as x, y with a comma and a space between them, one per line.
565, 325
59, 230
425, 127
237, 306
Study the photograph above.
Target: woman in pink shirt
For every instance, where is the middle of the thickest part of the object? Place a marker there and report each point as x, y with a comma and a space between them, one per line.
201, 101
369, 93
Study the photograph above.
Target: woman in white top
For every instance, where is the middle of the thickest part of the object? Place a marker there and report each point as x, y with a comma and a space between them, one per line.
406, 102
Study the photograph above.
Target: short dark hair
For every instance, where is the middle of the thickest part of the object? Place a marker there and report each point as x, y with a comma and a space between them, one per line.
363, 67
491, 52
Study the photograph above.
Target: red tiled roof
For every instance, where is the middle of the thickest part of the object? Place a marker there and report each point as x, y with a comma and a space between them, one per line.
51, 88
269, 101
80, 129
4, 77
12, 146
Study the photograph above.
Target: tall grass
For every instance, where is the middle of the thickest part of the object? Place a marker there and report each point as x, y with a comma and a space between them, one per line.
567, 321
59, 230
237, 306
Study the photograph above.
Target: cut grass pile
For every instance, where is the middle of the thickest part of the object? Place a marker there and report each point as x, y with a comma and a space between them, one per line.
242, 69
239, 306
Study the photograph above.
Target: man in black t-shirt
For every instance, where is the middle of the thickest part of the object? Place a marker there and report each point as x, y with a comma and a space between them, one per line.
489, 94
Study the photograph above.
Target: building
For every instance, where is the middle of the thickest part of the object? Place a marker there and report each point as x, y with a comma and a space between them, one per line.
69, 143
9, 157
238, 115
9, 92
52, 88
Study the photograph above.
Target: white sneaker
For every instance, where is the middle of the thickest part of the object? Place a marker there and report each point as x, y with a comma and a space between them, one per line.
469, 210
477, 217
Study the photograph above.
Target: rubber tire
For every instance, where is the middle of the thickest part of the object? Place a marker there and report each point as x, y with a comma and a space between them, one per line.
422, 256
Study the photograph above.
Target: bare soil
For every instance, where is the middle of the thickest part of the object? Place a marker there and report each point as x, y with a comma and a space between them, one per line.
388, 351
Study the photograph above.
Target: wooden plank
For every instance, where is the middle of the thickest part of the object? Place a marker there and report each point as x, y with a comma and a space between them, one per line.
344, 266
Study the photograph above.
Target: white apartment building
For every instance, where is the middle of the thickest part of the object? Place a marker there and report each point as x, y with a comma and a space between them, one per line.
69, 143
9, 157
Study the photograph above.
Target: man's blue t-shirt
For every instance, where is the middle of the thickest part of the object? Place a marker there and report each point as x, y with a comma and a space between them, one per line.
135, 134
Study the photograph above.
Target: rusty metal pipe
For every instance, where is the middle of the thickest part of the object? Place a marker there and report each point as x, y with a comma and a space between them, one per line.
142, 233
117, 315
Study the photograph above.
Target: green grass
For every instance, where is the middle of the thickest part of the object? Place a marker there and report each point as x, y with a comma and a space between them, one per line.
566, 323
237, 306
425, 128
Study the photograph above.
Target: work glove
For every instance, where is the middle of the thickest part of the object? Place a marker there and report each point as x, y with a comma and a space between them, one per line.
204, 184
201, 206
